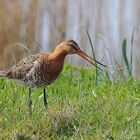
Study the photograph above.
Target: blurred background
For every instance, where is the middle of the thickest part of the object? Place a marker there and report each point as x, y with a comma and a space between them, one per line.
40, 25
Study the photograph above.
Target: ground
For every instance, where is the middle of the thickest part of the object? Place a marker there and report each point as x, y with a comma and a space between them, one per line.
81, 106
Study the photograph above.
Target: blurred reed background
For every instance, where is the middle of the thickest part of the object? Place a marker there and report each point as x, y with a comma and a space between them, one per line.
48, 22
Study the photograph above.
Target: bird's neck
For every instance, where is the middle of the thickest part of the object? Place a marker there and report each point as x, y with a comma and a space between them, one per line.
59, 54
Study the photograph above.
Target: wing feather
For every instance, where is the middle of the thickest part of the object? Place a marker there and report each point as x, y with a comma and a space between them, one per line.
19, 70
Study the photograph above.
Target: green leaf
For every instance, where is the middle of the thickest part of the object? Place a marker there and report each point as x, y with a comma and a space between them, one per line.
124, 44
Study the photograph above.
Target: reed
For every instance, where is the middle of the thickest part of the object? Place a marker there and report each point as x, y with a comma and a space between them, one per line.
124, 53
93, 52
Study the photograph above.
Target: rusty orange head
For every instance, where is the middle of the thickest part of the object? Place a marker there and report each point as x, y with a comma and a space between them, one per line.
73, 48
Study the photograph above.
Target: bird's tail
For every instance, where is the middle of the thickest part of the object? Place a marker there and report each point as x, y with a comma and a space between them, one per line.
3, 73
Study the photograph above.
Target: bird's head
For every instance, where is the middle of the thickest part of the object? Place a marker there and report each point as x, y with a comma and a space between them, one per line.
71, 47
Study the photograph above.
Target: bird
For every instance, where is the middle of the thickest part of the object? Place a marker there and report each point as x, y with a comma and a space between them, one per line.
42, 69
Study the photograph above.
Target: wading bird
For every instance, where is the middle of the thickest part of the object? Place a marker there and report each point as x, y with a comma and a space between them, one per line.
42, 69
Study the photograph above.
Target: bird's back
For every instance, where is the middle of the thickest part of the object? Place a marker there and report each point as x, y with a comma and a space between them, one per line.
19, 70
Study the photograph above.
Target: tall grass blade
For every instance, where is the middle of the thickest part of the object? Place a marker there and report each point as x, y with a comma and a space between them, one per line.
124, 44
93, 52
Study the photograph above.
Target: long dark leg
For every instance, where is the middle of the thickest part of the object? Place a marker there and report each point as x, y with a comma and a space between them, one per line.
45, 100
30, 102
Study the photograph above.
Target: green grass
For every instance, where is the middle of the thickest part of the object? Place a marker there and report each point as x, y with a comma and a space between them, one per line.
78, 109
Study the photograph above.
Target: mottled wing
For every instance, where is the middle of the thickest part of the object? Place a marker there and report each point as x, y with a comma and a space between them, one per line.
20, 70
38, 75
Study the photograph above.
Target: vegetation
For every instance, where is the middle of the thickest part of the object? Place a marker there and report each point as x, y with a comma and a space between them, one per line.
78, 108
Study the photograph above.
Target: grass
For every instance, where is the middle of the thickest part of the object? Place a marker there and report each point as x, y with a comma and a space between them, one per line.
78, 109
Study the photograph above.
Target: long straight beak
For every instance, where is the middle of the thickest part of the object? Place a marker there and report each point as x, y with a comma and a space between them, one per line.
89, 59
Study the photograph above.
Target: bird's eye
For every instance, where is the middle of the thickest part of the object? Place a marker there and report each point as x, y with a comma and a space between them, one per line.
71, 44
